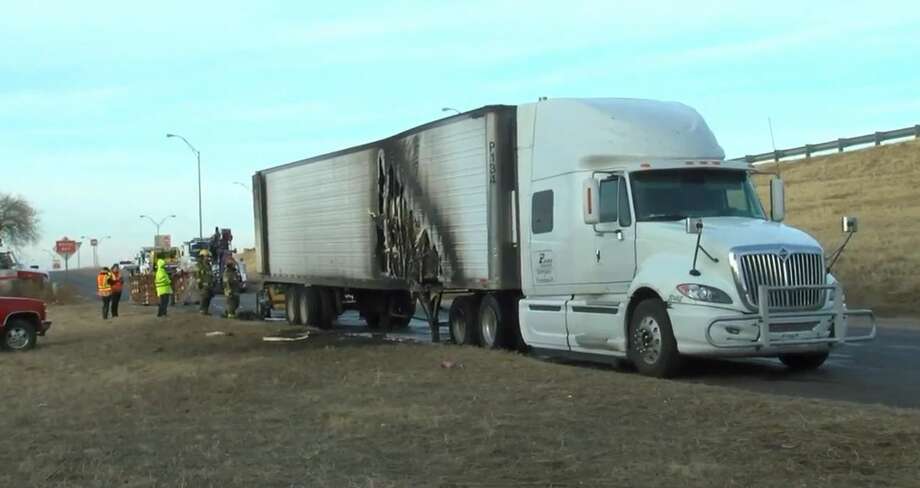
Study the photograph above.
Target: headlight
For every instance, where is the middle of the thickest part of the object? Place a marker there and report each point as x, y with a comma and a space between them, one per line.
703, 293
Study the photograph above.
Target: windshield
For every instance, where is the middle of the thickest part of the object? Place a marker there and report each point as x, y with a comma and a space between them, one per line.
680, 193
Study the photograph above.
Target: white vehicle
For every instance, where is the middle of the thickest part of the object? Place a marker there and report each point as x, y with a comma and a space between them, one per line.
599, 228
244, 277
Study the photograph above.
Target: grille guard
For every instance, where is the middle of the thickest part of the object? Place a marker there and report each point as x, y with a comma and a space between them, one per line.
764, 319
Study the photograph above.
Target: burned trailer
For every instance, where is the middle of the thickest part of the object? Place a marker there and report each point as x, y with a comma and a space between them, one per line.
393, 223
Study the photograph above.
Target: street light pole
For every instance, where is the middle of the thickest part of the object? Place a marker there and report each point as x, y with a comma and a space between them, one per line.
158, 224
198, 158
94, 242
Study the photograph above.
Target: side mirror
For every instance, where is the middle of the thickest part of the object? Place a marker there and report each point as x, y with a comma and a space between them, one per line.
590, 201
777, 200
850, 225
694, 225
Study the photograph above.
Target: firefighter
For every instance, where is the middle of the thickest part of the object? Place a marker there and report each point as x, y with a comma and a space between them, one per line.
104, 290
117, 285
163, 284
231, 281
205, 281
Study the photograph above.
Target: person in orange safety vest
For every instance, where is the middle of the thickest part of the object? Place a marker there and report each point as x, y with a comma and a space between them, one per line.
117, 285
104, 290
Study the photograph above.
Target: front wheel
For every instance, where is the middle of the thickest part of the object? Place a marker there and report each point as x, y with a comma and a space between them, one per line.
652, 347
19, 335
804, 361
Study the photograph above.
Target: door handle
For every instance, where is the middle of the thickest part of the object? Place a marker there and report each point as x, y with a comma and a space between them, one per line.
597, 255
619, 234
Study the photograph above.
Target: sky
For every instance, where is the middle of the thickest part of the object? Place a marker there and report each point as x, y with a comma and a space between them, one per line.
88, 90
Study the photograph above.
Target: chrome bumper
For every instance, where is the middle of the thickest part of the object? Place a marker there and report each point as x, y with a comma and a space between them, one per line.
837, 315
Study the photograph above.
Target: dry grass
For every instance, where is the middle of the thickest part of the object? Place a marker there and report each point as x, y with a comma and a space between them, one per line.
58, 294
881, 186
140, 403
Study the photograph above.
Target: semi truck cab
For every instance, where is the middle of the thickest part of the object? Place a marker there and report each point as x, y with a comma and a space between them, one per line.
641, 241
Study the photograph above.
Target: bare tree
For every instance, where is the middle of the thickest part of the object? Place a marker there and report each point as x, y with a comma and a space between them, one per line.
18, 221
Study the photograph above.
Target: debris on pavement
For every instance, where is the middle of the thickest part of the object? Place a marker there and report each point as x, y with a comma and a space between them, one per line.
451, 364
218, 333
288, 337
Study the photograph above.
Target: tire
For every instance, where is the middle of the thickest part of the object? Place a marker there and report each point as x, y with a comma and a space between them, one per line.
401, 310
310, 307
19, 335
493, 323
370, 305
652, 347
263, 304
326, 308
464, 321
804, 361
292, 305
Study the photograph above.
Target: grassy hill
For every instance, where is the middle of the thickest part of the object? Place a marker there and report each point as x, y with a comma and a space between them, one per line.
880, 186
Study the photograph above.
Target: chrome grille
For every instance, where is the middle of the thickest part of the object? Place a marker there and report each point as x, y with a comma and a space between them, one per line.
782, 267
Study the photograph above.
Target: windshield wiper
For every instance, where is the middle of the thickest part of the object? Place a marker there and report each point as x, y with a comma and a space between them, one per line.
664, 217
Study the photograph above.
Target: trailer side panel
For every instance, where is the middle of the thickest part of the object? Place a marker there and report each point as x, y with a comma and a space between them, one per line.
430, 205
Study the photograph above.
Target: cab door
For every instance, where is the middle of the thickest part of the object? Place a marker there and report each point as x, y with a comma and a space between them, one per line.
615, 237
595, 316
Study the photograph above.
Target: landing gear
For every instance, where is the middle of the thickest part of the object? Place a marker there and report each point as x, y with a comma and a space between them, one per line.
430, 300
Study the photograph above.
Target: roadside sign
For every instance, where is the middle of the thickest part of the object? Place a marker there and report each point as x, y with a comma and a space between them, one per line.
65, 247
163, 241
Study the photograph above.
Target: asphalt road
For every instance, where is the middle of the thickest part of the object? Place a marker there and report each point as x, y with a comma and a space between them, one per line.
885, 371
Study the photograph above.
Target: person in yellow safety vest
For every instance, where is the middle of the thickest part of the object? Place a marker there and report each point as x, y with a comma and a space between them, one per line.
163, 284
104, 290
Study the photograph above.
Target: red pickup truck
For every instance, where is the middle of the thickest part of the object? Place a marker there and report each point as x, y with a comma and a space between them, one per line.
22, 320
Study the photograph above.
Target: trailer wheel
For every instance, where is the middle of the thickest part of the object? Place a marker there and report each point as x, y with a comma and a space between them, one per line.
372, 307
292, 305
493, 323
464, 321
401, 309
326, 308
804, 361
310, 313
652, 347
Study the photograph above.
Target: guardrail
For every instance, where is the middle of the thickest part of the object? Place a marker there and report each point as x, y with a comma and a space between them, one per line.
808, 150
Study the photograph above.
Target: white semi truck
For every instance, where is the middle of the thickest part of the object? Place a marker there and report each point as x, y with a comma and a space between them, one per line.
607, 229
